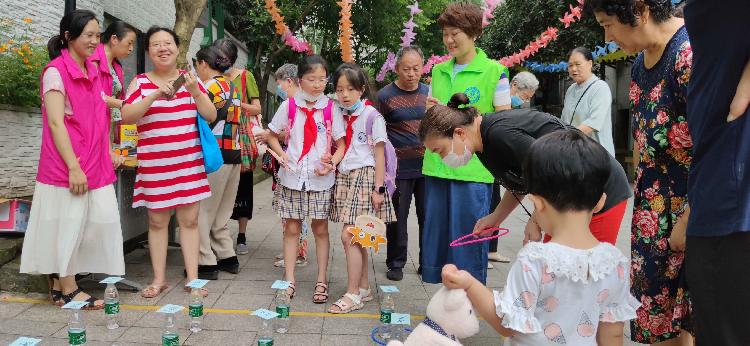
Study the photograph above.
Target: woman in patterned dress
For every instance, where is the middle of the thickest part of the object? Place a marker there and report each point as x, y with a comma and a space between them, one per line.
663, 145
170, 175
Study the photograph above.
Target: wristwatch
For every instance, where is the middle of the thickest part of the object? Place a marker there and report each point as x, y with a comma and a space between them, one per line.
379, 189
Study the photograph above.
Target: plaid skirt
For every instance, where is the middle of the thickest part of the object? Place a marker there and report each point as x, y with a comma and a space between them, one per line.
298, 205
352, 197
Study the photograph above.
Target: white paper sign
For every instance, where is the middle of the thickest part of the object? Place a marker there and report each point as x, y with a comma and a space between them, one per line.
75, 304
401, 319
265, 314
389, 289
25, 341
111, 280
170, 309
197, 283
280, 285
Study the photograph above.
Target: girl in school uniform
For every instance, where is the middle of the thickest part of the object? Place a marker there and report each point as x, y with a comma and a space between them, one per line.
307, 174
360, 184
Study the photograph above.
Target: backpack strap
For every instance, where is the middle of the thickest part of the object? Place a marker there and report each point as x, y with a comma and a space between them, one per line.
328, 120
369, 122
291, 114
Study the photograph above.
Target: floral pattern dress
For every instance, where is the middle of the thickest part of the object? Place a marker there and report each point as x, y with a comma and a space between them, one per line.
658, 104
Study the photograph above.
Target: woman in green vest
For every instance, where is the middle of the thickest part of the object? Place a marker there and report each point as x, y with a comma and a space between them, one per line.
458, 189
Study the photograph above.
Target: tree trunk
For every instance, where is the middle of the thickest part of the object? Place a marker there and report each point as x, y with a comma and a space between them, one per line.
187, 13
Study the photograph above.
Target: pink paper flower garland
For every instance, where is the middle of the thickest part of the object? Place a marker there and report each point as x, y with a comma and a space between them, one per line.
545, 38
282, 29
406, 40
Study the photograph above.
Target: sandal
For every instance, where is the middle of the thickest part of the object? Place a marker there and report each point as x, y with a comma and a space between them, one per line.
67, 298
204, 291
55, 296
366, 295
293, 288
346, 307
318, 293
152, 291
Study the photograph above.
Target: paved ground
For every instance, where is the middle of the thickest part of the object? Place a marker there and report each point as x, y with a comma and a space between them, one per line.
227, 322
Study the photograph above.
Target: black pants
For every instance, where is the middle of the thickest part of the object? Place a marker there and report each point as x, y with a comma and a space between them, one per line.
719, 286
397, 232
495, 201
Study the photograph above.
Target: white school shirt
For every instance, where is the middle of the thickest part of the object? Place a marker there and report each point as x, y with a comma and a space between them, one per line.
361, 153
558, 295
303, 178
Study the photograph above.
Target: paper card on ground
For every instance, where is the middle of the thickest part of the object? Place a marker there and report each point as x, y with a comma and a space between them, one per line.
265, 314
389, 289
75, 304
111, 280
280, 285
170, 309
25, 341
197, 283
404, 319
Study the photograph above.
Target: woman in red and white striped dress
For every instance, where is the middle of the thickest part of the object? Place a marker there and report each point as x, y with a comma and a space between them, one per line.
170, 161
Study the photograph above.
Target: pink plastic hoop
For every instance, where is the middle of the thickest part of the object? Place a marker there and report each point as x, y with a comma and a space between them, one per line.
459, 242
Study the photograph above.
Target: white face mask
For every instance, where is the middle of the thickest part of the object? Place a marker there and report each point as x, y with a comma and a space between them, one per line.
309, 98
453, 160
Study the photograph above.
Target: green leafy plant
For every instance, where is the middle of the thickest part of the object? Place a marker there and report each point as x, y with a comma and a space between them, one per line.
21, 62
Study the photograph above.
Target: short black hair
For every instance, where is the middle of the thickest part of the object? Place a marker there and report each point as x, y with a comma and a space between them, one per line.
154, 29
310, 63
568, 169
627, 10
117, 28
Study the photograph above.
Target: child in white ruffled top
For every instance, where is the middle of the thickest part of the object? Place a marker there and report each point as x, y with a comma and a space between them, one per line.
572, 290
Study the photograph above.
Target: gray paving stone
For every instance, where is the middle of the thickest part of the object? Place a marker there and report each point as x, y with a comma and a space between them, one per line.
243, 301
96, 333
227, 322
10, 310
297, 339
141, 335
30, 328
348, 325
346, 340
223, 338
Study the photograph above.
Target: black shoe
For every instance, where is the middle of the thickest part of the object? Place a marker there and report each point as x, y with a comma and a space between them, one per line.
395, 275
206, 272
229, 265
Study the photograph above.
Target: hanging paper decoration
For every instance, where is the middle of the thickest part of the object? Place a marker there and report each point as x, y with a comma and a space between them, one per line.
345, 26
489, 8
545, 38
406, 40
282, 29
368, 232
607, 53
434, 60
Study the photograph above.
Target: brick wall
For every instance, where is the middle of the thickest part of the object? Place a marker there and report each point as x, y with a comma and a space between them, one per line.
21, 130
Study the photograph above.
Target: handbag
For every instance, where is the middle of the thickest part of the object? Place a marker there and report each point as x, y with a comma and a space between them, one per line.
212, 159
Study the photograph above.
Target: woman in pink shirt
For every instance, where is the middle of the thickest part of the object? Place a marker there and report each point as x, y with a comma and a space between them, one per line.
74, 225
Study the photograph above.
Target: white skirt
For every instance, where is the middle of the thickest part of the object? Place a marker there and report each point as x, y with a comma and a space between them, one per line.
69, 234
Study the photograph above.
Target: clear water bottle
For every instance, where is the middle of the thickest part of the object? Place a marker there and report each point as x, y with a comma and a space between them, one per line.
170, 337
111, 306
76, 329
387, 306
265, 335
195, 310
282, 308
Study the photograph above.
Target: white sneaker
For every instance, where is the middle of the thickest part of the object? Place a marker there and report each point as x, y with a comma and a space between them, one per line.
490, 266
280, 256
301, 262
497, 257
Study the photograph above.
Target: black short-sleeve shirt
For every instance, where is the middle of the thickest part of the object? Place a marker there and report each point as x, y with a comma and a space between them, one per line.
507, 137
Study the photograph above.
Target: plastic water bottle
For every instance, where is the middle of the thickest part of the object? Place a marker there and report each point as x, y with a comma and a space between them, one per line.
170, 337
76, 329
265, 335
111, 306
387, 306
195, 310
282, 308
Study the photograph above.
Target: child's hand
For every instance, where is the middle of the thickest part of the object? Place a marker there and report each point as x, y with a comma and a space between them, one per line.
377, 200
456, 279
326, 159
324, 169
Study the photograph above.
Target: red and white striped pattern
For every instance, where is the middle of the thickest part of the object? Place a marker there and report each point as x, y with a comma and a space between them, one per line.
170, 161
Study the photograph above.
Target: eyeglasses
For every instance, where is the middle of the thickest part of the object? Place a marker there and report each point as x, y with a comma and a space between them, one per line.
316, 81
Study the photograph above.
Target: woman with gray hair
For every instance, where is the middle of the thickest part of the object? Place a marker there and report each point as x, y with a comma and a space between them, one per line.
522, 89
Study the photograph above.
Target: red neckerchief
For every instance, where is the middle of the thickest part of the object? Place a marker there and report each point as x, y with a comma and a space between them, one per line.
349, 130
310, 132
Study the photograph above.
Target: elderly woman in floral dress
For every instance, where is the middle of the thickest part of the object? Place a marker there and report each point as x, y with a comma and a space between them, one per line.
663, 145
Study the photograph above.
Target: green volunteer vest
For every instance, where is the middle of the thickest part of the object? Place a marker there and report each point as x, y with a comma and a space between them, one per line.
478, 82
